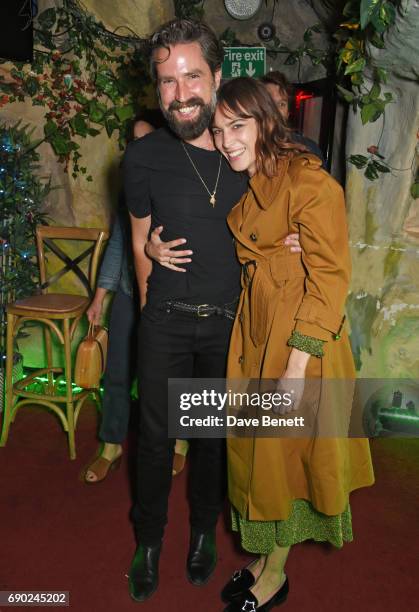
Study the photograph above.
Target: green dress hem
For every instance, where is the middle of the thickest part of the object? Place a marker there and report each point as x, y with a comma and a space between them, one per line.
304, 523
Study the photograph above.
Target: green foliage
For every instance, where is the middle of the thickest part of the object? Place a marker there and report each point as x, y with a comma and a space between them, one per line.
366, 22
307, 49
22, 194
87, 79
373, 164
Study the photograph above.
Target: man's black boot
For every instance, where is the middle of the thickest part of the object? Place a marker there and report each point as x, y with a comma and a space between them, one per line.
202, 557
144, 572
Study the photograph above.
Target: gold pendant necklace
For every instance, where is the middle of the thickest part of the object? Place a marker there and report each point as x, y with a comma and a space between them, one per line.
211, 194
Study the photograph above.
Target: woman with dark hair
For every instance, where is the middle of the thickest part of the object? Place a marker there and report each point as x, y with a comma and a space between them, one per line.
285, 490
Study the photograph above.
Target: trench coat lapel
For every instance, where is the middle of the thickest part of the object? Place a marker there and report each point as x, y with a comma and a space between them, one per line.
236, 221
266, 189
263, 191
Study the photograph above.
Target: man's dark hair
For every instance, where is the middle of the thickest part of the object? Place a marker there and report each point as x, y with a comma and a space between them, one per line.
280, 80
184, 31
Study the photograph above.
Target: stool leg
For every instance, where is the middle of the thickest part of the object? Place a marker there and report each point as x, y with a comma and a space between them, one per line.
69, 391
48, 348
9, 380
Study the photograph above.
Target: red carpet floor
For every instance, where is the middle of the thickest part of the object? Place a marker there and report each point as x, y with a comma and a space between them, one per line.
57, 533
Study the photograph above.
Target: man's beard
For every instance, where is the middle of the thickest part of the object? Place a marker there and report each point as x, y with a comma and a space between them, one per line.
190, 130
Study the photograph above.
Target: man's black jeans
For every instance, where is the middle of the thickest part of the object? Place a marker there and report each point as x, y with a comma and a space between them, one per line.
176, 345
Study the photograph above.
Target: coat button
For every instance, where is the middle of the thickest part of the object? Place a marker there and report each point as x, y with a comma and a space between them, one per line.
241, 359
253, 237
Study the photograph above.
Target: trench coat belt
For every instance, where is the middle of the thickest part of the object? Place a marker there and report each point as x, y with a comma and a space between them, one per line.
261, 280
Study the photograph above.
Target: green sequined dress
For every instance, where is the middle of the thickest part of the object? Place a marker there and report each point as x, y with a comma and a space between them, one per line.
304, 521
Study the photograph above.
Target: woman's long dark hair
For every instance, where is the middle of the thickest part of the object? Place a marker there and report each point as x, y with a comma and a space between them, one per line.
248, 98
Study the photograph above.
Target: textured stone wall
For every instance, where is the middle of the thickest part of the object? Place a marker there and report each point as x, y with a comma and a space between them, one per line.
384, 219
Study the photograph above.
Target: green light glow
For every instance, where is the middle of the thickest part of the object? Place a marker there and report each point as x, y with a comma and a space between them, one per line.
61, 383
401, 417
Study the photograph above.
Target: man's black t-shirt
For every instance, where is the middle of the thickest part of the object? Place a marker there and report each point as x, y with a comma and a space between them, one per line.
160, 181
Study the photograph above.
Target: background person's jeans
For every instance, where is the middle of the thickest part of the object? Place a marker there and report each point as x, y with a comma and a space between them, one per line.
120, 368
174, 345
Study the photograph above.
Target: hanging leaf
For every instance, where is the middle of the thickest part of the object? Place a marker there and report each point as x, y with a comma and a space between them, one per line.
106, 83
357, 79
357, 66
387, 13
382, 75
348, 96
79, 125
93, 132
371, 112
60, 144
125, 112
360, 161
375, 92
367, 9
371, 172
414, 190
50, 128
97, 111
110, 126
80, 98
381, 167
378, 23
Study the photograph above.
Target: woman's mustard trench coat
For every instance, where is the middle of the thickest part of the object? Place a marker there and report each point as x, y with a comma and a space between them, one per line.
283, 292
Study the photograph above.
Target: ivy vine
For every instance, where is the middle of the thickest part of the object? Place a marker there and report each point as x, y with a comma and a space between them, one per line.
87, 78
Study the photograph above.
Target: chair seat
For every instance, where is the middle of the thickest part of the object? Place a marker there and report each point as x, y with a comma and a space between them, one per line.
50, 305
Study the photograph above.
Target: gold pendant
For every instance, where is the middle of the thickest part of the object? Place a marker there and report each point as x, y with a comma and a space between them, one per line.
212, 200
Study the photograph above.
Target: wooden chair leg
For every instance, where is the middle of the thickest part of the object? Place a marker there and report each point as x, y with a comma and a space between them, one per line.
48, 350
69, 389
8, 408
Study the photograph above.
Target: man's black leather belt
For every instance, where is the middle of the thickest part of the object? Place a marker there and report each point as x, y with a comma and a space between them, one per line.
204, 310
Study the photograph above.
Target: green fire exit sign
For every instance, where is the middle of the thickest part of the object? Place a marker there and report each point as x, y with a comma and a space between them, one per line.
244, 61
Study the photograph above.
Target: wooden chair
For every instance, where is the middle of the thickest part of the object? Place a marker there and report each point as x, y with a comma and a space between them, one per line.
59, 313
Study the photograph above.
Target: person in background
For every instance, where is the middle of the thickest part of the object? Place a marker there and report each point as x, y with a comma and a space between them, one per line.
281, 91
116, 275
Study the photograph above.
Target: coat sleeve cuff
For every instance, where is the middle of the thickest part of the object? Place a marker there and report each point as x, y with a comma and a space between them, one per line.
313, 330
308, 344
108, 284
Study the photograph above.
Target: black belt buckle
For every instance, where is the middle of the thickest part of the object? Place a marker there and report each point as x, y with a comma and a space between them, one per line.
203, 314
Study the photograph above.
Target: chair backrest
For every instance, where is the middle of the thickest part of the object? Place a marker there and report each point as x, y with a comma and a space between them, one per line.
47, 237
